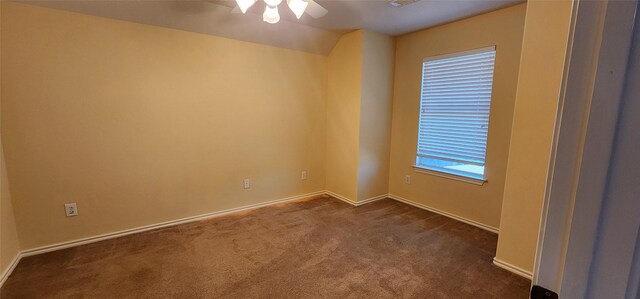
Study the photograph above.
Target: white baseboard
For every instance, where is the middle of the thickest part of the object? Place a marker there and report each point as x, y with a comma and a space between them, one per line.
353, 202
513, 269
492, 229
372, 199
93, 239
9, 269
340, 197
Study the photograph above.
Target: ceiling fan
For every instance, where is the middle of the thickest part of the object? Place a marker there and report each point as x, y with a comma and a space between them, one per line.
271, 15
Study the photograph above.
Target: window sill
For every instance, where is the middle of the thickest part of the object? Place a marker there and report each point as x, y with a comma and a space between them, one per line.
450, 176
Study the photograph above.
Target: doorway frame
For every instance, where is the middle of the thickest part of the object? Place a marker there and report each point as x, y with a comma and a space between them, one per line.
595, 69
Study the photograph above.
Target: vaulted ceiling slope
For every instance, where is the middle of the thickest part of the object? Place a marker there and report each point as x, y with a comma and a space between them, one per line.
307, 34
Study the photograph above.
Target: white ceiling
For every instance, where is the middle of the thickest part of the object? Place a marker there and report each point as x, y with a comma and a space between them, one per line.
380, 16
307, 34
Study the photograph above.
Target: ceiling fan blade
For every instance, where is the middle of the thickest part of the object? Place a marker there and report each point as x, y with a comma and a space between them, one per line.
225, 3
315, 10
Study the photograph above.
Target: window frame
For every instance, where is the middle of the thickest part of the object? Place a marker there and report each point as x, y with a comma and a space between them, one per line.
423, 168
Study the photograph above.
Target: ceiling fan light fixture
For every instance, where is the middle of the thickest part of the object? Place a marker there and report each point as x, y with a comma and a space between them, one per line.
401, 3
271, 15
245, 4
273, 3
298, 7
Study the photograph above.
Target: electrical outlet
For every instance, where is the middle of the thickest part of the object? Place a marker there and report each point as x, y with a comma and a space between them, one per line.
70, 209
303, 175
407, 179
246, 183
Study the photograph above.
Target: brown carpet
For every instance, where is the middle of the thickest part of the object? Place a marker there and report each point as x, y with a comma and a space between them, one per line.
320, 248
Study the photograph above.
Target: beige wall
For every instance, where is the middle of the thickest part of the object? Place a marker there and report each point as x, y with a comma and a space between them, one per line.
343, 115
141, 124
543, 52
359, 100
481, 204
9, 247
375, 114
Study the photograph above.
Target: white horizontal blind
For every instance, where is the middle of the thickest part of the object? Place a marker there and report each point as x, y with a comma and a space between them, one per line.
454, 106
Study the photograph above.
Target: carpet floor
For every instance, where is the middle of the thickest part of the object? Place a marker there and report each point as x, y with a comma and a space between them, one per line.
318, 248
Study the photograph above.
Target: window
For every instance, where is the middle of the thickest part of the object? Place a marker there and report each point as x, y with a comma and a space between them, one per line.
454, 113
